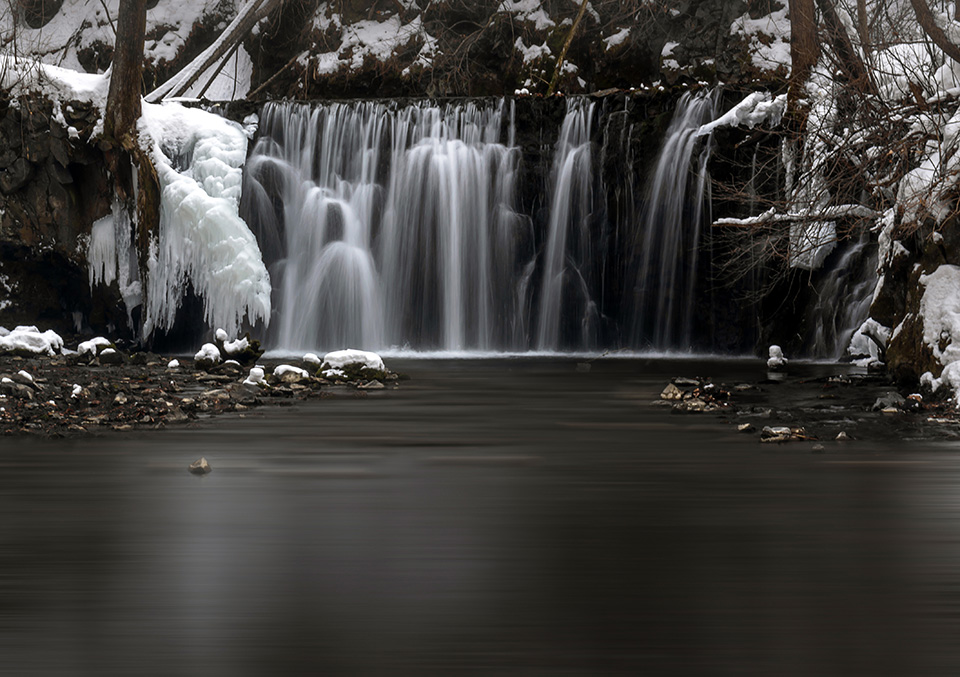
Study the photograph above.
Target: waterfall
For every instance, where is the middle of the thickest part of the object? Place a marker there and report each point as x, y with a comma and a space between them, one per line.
388, 226
843, 299
664, 302
568, 246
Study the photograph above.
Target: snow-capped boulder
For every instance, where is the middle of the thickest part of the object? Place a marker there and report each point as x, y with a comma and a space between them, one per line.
31, 341
776, 360
290, 374
353, 364
207, 357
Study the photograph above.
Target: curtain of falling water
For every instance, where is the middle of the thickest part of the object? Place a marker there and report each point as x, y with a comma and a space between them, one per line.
388, 226
568, 245
663, 306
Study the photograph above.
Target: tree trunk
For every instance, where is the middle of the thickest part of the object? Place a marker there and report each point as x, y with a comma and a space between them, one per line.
123, 99
930, 27
566, 45
804, 48
848, 60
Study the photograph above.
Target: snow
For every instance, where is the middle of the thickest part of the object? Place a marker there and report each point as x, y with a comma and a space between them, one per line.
373, 39
202, 239
923, 190
616, 39
768, 38
533, 52
221, 335
93, 345
236, 347
776, 358
311, 358
25, 374
209, 352
940, 312
755, 109
230, 84
528, 10
255, 377
344, 358
31, 340
173, 364
282, 369
862, 344
83, 25
76, 391
24, 76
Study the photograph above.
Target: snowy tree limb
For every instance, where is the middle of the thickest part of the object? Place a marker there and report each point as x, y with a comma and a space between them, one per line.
245, 20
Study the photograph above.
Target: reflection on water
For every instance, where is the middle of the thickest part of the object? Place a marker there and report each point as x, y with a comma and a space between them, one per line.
508, 517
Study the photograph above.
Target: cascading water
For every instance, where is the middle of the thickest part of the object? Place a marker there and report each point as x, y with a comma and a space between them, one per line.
388, 226
843, 300
568, 246
663, 295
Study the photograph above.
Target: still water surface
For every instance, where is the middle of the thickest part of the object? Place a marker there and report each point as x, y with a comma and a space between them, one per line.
493, 517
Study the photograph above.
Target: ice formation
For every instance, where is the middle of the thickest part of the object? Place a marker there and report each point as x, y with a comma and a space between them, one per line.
202, 241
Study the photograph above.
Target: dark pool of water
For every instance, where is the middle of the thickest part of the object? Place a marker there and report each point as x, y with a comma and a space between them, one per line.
497, 517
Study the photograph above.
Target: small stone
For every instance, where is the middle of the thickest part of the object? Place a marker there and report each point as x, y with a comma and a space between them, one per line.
120, 399
110, 356
371, 385
889, 410
746, 428
200, 467
683, 381
671, 392
817, 448
842, 436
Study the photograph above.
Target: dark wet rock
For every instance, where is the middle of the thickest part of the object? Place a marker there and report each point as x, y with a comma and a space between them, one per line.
891, 400
11, 388
200, 467
746, 428
109, 356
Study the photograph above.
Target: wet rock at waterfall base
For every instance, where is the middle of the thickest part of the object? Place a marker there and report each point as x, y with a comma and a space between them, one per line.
200, 467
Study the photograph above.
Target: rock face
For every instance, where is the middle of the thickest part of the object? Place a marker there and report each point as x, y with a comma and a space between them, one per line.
914, 257
53, 186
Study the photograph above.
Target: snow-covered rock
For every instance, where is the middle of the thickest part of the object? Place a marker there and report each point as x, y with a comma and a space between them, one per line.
776, 360
255, 377
94, 345
207, 356
312, 359
29, 339
341, 359
290, 374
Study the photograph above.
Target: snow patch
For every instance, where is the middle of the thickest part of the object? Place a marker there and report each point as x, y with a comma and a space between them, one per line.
31, 340
344, 358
